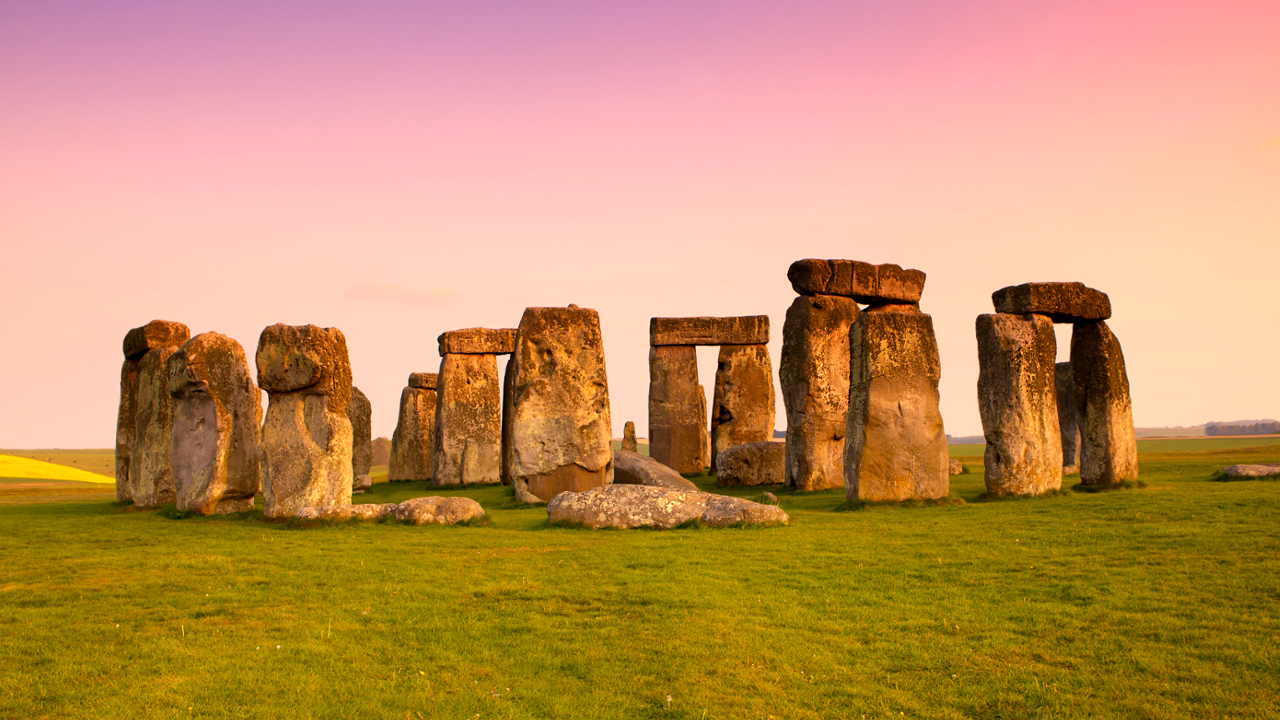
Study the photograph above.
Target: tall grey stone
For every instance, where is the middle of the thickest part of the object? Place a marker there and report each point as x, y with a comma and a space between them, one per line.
1068, 424
678, 435
744, 409
360, 413
413, 442
468, 432
1100, 384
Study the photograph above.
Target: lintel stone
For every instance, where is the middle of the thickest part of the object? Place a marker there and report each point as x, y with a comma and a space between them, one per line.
423, 381
743, 330
1063, 302
864, 282
478, 341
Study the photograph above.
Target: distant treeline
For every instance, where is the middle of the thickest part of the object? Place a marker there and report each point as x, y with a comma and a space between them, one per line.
1263, 427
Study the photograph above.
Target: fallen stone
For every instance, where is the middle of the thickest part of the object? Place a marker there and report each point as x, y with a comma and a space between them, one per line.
1018, 404
126, 427
814, 374
468, 427
1068, 423
438, 510
744, 409
478, 341
769, 499
360, 413
864, 282
1251, 472
155, 334
757, 463
956, 467
678, 434
423, 381
1108, 445
217, 416
629, 443
1063, 302
745, 330
630, 468
150, 463
636, 506
372, 512
413, 442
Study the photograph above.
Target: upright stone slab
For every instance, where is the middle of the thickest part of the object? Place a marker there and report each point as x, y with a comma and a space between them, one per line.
126, 427
814, 374
306, 438
360, 413
468, 433
413, 442
1108, 446
744, 409
1067, 421
155, 335
151, 467
1018, 403
678, 435
629, 443
895, 445
560, 427
217, 416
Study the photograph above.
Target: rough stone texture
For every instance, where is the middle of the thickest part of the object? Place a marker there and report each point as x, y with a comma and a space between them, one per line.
1070, 470
678, 435
423, 381
1068, 423
956, 467
630, 468
634, 506
126, 427
895, 445
508, 377
744, 410
306, 437
150, 464
629, 443
438, 510
864, 282
413, 442
155, 334
814, 374
217, 416
561, 434
757, 463
478, 341
342, 513
468, 440
745, 330
1108, 446
1018, 404
360, 413
1063, 302
1251, 472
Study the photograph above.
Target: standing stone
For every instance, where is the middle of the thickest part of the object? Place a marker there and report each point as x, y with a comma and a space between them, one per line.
1018, 403
678, 436
814, 374
744, 410
508, 378
157, 334
895, 446
629, 443
360, 413
561, 431
150, 466
468, 432
413, 442
217, 413
306, 438
1108, 447
126, 427
758, 463
1068, 424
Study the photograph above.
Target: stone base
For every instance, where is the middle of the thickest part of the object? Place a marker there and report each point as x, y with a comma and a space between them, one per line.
568, 478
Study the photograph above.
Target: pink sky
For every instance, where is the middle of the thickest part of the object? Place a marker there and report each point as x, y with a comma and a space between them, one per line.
399, 169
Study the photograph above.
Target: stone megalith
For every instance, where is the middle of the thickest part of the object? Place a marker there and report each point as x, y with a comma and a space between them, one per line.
1100, 386
757, 463
629, 443
678, 435
360, 413
561, 433
413, 442
306, 437
744, 409
155, 335
861, 281
814, 374
126, 427
217, 416
1067, 423
1018, 403
468, 432
1062, 302
895, 445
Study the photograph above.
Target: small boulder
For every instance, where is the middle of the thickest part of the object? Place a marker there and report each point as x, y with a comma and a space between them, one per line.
438, 510
757, 463
957, 467
634, 506
342, 513
631, 468
1251, 472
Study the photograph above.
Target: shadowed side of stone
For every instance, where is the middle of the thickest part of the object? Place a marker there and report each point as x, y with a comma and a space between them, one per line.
150, 464
630, 468
126, 427
1063, 302
757, 463
468, 425
1108, 445
678, 434
640, 506
412, 443
744, 408
864, 282
478, 341
360, 413
155, 334
1068, 424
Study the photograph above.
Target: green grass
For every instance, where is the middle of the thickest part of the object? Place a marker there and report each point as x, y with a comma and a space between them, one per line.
1162, 602
1160, 445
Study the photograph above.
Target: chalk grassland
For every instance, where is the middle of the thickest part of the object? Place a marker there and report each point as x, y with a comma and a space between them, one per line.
1162, 602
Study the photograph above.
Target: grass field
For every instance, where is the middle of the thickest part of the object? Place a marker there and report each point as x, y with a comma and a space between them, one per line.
1162, 602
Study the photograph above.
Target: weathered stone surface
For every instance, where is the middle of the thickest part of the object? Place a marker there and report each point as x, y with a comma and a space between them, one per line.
217, 416
478, 341
468, 442
814, 374
126, 427
561, 434
372, 512
956, 467
306, 437
629, 443
1251, 472
861, 281
1064, 302
678, 434
745, 330
413, 442
153, 335
895, 445
1070, 470
424, 381
508, 389
634, 506
150, 464
757, 463
1068, 424
438, 510
744, 410
1018, 404
360, 413
1108, 446
630, 468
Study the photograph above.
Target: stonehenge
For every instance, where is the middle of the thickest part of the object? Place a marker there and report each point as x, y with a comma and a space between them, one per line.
144, 423
468, 424
360, 413
412, 443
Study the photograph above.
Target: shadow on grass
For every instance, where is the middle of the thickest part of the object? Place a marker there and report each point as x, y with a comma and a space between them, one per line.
1124, 485
1005, 497
852, 505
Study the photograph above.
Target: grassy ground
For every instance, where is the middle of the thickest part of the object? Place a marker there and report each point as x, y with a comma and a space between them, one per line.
1161, 445
1162, 602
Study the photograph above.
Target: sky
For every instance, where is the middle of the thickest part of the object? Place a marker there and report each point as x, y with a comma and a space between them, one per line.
399, 169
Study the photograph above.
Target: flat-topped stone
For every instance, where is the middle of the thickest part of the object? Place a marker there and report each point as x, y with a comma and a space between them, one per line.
478, 341
635, 506
864, 282
424, 381
743, 330
1063, 302
155, 334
